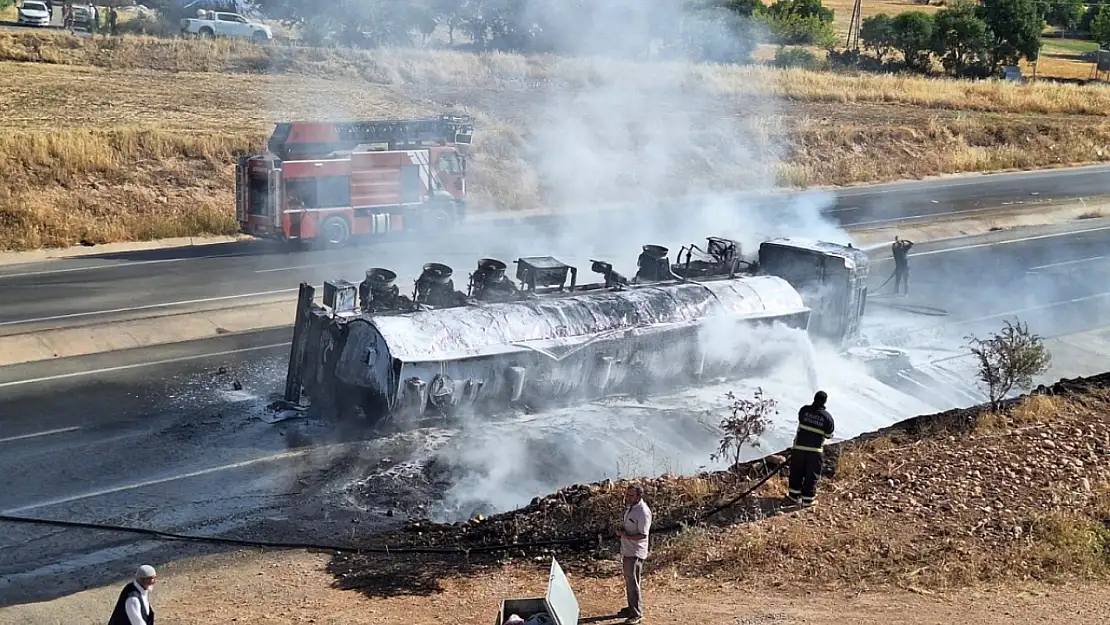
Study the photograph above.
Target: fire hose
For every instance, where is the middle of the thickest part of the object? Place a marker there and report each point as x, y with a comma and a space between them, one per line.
479, 549
916, 309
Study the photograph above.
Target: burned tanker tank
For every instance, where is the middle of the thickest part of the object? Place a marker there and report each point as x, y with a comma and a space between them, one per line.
549, 340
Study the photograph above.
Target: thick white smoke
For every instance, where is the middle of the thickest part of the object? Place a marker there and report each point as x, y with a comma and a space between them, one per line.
501, 465
643, 135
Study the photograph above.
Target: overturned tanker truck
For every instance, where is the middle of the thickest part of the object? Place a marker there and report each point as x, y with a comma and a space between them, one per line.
374, 352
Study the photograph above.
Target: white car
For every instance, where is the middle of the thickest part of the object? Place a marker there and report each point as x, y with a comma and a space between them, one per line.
220, 24
34, 13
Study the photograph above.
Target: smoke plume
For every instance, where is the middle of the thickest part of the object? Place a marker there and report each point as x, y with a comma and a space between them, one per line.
641, 133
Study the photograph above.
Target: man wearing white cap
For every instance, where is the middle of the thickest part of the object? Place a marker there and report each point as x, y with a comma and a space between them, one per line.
133, 606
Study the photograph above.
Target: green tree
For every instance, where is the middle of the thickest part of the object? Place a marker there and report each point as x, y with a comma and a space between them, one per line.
1067, 14
801, 8
743, 8
1100, 26
960, 38
913, 37
794, 30
877, 34
800, 22
1015, 27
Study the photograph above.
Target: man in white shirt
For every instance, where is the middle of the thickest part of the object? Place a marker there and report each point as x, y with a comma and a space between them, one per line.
634, 550
133, 606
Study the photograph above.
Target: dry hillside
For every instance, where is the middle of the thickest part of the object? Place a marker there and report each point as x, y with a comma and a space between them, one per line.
133, 138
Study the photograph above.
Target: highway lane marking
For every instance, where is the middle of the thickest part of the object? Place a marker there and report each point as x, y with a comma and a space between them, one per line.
92, 313
1067, 262
949, 324
1075, 300
152, 363
972, 246
313, 266
974, 180
119, 265
244, 350
924, 186
277, 345
39, 434
174, 478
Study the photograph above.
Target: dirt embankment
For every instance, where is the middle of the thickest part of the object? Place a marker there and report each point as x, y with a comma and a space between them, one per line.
116, 139
942, 501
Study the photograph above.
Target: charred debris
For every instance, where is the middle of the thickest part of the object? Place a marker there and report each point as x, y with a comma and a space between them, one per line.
378, 293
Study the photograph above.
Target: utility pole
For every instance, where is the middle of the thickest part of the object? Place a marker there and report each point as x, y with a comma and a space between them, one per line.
854, 25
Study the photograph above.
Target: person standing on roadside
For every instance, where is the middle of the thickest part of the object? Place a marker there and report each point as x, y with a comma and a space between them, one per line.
634, 550
901, 251
133, 606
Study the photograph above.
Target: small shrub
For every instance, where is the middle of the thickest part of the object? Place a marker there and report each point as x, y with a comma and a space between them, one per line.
747, 420
795, 57
1009, 358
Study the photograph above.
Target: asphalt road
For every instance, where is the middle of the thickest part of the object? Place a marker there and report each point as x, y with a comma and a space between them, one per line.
109, 287
160, 437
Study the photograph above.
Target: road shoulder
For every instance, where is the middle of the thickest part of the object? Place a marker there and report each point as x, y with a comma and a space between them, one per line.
295, 587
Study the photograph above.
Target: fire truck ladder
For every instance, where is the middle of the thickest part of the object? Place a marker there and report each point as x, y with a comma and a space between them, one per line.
398, 134
442, 129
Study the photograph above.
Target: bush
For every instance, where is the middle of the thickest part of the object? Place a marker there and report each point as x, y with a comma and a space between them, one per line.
796, 57
1009, 358
746, 422
146, 23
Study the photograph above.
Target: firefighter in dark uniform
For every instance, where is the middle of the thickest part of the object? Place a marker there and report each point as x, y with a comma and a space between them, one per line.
901, 251
815, 424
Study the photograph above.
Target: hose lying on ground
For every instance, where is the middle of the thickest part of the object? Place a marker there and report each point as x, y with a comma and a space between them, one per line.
916, 309
216, 540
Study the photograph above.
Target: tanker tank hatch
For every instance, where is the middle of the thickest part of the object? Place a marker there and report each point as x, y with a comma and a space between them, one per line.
377, 292
436, 289
538, 274
489, 284
653, 265
721, 257
613, 280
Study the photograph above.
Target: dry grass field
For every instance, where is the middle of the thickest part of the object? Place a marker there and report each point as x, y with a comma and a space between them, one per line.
134, 138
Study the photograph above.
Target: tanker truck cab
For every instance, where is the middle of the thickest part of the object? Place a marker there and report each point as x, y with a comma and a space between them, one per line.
831, 278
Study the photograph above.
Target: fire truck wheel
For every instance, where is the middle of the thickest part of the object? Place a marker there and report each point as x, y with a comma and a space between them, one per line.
335, 231
438, 220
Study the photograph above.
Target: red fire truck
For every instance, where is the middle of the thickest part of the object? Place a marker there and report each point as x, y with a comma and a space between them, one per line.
327, 182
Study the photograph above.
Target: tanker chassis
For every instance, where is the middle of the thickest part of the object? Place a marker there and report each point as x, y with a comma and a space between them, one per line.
372, 352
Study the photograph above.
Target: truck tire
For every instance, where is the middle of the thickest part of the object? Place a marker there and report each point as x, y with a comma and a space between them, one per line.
259, 37
335, 232
206, 33
437, 220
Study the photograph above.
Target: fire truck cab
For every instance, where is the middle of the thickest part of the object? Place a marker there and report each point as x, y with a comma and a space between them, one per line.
327, 182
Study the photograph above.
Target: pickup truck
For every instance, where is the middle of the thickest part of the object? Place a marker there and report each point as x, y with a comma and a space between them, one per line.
218, 24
